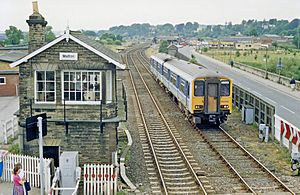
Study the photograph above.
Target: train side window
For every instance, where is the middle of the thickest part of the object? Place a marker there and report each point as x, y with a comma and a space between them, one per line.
187, 89
181, 87
199, 88
173, 78
165, 70
225, 88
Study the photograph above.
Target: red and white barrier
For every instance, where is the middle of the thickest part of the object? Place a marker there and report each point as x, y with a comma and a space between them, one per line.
287, 134
100, 179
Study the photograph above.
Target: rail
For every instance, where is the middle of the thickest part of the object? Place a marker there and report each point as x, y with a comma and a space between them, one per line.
259, 163
168, 127
268, 111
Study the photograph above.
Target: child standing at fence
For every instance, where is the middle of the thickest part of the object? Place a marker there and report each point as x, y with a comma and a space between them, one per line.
3, 153
17, 180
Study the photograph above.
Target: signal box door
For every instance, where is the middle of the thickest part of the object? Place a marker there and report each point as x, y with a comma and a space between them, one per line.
212, 97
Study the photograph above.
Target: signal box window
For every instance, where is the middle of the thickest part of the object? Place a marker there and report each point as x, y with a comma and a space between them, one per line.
225, 88
45, 87
82, 86
199, 88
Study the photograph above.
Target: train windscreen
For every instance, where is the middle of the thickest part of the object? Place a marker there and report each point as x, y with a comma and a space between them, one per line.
225, 88
199, 88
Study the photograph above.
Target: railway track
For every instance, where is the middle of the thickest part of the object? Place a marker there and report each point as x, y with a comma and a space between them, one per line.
170, 165
254, 177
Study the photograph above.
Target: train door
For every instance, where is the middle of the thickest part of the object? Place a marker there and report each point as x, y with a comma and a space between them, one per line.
212, 96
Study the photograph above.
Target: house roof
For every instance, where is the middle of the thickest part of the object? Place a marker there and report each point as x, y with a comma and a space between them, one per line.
82, 40
12, 56
9, 72
14, 47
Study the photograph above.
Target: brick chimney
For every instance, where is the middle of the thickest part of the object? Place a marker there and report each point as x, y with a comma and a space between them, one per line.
37, 25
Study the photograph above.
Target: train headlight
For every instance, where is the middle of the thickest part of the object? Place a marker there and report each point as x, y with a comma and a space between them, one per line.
199, 107
224, 106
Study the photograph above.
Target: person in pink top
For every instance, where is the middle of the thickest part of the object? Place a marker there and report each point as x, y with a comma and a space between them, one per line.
18, 181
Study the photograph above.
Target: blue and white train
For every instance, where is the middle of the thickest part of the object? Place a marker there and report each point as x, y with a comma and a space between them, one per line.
203, 95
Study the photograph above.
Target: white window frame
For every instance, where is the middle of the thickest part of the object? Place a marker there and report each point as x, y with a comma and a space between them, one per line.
80, 102
35, 87
109, 92
4, 78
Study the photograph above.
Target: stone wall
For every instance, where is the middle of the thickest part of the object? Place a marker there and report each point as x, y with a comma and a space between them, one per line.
83, 136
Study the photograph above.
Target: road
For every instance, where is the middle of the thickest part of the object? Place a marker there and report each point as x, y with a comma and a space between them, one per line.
286, 102
8, 106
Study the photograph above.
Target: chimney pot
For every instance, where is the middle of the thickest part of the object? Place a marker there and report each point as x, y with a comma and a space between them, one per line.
35, 7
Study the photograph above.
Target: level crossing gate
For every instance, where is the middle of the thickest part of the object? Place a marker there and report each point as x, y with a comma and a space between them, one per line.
100, 179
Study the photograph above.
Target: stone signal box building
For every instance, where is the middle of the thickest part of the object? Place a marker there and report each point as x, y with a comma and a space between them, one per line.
73, 80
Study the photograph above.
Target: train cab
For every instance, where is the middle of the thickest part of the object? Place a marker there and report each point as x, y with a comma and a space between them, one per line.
211, 99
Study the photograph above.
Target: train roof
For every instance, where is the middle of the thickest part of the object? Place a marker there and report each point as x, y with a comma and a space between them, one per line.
187, 70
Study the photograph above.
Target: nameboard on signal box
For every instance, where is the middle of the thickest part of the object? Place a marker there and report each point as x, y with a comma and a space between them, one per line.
68, 56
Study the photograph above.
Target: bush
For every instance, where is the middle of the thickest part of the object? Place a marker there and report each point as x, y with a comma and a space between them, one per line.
193, 60
14, 148
163, 47
205, 49
237, 54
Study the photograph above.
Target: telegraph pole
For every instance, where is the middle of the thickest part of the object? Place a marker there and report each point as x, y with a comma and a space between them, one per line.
40, 125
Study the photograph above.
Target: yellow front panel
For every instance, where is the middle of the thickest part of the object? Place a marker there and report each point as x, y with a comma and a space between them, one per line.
212, 104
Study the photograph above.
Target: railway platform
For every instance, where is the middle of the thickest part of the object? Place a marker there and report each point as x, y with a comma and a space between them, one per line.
7, 188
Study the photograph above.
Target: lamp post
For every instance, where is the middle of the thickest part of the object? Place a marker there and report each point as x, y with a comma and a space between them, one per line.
266, 59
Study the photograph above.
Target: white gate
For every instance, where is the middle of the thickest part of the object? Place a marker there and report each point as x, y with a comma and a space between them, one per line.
31, 167
8, 129
100, 179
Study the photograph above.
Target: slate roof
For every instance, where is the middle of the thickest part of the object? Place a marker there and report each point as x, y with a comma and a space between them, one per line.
12, 56
83, 40
96, 45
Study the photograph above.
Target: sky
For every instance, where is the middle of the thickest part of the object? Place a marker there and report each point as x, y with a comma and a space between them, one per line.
102, 14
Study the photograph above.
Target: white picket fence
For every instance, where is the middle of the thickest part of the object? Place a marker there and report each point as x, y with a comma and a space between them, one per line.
31, 167
100, 179
8, 129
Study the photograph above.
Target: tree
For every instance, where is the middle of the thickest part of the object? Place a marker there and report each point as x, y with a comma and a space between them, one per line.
253, 32
179, 28
165, 29
296, 41
163, 47
49, 35
89, 33
193, 59
13, 35
119, 37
